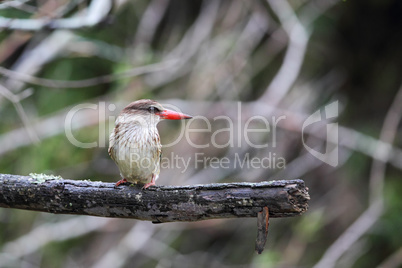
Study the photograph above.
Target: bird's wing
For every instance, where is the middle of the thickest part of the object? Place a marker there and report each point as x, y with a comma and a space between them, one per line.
111, 153
111, 146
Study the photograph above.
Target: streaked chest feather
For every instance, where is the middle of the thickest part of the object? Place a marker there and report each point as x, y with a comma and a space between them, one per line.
136, 149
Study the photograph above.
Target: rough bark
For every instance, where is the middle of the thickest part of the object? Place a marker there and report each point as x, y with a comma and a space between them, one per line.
157, 203
262, 230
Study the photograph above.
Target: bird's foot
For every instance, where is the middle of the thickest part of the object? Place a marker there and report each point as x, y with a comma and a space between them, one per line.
153, 180
122, 181
148, 184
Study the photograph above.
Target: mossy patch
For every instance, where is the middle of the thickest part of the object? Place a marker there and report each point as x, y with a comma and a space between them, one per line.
41, 178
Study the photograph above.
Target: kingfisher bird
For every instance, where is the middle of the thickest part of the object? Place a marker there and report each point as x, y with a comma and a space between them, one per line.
134, 144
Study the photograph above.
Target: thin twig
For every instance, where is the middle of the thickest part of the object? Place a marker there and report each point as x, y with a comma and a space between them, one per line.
16, 101
189, 44
118, 255
292, 62
387, 135
150, 20
90, 81
46, 233
93, 15
35, 56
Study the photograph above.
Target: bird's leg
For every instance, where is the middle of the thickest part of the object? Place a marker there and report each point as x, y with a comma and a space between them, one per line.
120, 182
150, 183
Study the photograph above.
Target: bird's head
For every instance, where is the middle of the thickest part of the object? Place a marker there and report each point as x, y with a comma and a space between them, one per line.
150, 112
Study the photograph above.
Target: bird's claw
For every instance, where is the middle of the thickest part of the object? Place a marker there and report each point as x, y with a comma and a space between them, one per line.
153, 180
148, 184
122, 181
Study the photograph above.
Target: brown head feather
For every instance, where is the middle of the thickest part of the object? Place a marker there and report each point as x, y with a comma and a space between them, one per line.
142, 106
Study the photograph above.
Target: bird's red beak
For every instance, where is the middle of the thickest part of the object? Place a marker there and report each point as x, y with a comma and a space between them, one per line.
172, 115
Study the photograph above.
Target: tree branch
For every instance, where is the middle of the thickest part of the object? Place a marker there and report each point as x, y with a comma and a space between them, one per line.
157, 204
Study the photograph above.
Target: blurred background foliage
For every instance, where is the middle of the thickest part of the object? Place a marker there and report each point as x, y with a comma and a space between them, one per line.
275, 57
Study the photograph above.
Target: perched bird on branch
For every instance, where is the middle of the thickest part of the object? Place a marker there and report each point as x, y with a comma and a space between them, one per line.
135, 145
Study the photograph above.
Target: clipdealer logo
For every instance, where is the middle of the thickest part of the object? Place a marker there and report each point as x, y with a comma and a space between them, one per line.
330, 156
236, 131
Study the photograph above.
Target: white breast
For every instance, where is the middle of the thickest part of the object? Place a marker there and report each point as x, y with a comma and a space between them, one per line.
136, 149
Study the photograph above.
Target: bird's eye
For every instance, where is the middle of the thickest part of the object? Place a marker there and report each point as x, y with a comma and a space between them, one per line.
153, 109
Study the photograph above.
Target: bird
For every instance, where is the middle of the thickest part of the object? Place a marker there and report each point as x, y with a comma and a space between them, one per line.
134, 144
